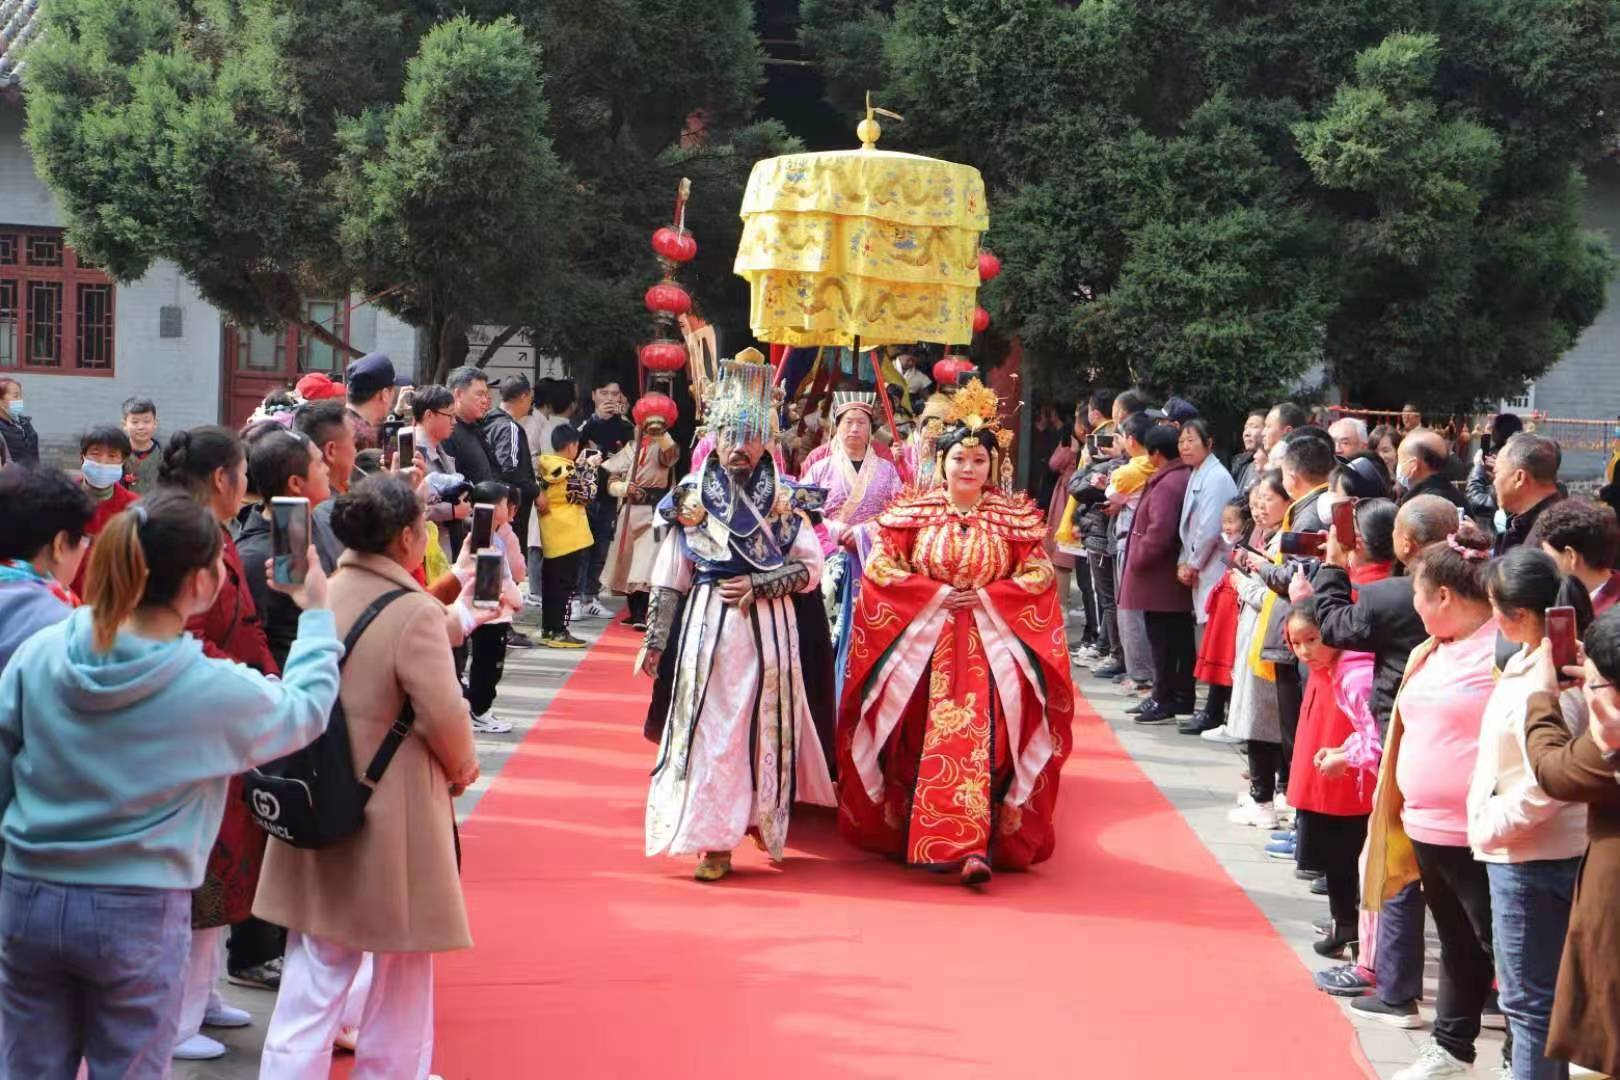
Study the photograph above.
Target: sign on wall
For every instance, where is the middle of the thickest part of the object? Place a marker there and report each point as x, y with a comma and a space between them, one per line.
515, 357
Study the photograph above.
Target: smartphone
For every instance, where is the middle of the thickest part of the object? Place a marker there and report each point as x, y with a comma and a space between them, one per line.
405, 453
1105, 441
1344, 523
1561, 633
487, 580
483, 525
1485, 446
289, 540
386, 433
1303, 544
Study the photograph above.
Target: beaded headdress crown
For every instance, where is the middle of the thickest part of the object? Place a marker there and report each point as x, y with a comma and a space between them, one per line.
742, 402
844, 400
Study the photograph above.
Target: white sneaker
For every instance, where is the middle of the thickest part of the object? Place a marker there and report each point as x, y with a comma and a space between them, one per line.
591, 610
227, 1016
346, 1038
1255, 815
1222, 735
1433, 1063
487, 724
199, 1048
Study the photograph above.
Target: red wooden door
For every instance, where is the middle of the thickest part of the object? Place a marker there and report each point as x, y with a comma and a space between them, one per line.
257, 364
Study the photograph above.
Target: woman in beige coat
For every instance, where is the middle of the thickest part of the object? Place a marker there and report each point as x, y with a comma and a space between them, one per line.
392, 888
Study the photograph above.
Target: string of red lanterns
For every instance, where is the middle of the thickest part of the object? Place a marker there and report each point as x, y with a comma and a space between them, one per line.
667, 300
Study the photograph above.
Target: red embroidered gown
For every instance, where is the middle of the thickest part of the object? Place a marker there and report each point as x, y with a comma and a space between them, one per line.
954, 725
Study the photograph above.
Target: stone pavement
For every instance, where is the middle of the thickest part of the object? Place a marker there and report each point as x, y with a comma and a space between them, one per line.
532, 677
1200, 779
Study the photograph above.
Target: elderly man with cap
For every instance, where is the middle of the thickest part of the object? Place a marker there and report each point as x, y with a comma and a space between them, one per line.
859, 484
372, 385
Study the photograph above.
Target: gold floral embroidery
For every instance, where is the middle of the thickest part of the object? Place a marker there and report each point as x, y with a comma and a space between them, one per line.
1036, 574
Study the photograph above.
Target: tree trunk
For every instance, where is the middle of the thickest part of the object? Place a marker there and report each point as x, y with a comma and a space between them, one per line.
495, 344
450, 347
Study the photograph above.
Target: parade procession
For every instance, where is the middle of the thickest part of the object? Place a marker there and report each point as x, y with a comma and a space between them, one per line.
526, 550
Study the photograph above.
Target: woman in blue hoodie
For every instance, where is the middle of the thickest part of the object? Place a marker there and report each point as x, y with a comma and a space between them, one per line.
42, 544
112, 787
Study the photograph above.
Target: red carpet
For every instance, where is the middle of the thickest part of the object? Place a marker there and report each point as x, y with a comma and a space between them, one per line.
1129, 954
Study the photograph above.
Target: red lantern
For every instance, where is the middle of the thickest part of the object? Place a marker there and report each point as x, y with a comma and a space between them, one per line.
989, 266
673, 245
663, 356
946, 370
654, 404
670, 297
981, 320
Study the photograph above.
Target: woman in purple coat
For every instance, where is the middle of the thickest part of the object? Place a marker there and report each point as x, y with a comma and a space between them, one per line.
1150, 584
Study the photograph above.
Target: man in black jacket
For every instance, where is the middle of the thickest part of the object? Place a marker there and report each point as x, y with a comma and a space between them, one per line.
1526, 483
509, 442
1382, 620
466, 444
1423, 467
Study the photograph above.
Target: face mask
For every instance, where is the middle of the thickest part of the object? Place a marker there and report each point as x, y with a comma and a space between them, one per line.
1231, 538
18, 408
100, 475
1403, 477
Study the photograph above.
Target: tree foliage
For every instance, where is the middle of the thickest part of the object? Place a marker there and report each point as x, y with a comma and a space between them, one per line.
276, 149
1227, 199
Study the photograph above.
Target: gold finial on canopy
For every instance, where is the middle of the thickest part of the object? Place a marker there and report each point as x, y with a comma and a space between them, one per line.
869, 131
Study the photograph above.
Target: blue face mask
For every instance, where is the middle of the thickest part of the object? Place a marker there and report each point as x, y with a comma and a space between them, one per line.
100, 475
18, 408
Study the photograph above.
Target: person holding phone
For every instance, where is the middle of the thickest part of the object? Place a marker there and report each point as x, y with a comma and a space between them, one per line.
1531, 843
210, 464
1584, 767
121, 735
496, 502
392, 889
282, 464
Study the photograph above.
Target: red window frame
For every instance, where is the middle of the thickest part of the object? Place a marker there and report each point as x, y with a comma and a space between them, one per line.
44, 287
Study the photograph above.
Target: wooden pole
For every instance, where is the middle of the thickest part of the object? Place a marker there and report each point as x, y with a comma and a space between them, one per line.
882, 389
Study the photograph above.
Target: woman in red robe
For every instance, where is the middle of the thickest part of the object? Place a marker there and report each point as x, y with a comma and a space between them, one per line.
954, 722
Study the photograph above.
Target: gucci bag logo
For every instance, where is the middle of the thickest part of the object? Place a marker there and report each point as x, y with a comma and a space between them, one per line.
266, 805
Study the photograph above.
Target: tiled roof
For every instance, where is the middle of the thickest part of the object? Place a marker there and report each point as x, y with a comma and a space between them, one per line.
20, 23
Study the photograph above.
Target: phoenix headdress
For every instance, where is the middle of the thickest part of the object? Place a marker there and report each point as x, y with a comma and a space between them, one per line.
974, 419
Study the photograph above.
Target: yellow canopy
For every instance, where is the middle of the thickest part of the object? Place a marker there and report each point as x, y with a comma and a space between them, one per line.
868, 243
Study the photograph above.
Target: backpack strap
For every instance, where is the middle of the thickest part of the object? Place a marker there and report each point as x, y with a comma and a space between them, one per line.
401, 727
371, 612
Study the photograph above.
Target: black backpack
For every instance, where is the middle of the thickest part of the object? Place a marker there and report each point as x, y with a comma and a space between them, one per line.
311, 798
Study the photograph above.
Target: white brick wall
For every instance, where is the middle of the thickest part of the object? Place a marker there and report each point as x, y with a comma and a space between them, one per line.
183, 375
